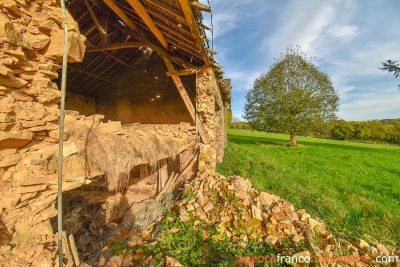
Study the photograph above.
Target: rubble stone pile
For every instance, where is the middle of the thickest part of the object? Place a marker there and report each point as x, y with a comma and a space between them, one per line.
241, 214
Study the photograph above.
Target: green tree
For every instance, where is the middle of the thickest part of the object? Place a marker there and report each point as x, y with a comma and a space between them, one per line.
392, 66
293, 97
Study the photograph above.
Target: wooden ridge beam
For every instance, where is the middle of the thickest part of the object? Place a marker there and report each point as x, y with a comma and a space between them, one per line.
96, 21
115, 46
167, 8
89, 74
141, 11
187, 11
200, 6
186, 100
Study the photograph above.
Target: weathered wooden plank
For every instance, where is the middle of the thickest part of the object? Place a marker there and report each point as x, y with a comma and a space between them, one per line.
96, 21
141, 11
187, 11
167, 8
181, 72
115, 46
121, 14
163, 173
186, 100
160, 50
88, 73
200, 6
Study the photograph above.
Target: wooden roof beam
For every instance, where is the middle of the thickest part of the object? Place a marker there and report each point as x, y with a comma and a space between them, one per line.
160, 50
181, 72
187, 11
89, 44
96, 21
121, 14
200, 6
115, 46
167, 8
141, 11
211, 51
186, 100
88, 73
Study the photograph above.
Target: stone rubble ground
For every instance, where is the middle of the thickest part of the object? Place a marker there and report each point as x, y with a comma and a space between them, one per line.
263, 217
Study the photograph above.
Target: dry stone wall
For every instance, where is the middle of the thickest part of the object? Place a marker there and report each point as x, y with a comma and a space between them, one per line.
31, 48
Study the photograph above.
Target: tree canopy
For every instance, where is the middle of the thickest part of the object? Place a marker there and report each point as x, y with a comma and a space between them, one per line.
392, 66
293, 97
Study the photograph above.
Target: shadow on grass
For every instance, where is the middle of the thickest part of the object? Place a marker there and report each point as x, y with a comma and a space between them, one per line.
277, 141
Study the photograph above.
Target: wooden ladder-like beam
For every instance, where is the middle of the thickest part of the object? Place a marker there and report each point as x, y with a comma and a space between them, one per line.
186, 99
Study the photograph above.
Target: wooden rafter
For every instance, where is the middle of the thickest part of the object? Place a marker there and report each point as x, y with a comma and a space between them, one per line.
187, 11
182, 72
141, 11
186, 99
157, 48
89, 74
192, 51
121, 14
167, 8
96, 21
187, 44
89, 30
89, 44
200, 6
115, 46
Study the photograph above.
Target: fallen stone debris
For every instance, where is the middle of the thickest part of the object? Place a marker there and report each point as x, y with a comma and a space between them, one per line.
241, 214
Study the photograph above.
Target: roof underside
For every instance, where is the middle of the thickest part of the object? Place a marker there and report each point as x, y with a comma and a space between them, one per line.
120, 33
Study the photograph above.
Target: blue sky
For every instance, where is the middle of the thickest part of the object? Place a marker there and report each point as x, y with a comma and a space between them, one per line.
349, 38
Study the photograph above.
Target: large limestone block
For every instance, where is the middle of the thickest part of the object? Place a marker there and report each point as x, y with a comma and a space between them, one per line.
76, 46
49, 95
8, 33
38, 42
10, 160
15, 138
7, 78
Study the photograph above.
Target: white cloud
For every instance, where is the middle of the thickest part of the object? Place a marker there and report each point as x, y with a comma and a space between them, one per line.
346, 32
243, 79
301, 24
224, 23
371, 106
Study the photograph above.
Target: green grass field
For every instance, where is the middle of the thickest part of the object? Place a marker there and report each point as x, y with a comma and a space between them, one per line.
353, 187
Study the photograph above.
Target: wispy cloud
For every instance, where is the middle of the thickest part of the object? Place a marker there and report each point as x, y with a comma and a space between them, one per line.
371, 106
349, 38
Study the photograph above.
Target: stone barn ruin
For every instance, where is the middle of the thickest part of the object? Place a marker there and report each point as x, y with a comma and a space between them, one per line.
146, 104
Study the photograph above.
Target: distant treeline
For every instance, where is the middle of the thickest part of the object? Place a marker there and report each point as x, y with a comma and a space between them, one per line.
375, 131
387, 131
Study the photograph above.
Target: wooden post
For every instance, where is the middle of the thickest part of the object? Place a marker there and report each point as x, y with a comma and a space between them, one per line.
163, 172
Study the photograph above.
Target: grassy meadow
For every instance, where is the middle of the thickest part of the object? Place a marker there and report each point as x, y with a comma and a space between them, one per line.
353, 187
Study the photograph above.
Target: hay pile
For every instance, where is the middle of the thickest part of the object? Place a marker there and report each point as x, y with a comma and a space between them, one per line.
116, 153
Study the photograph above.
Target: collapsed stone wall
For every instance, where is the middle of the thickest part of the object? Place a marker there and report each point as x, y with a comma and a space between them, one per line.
31, 48
212, 119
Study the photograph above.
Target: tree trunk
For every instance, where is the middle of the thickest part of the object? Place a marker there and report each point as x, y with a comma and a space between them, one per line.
292, 140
